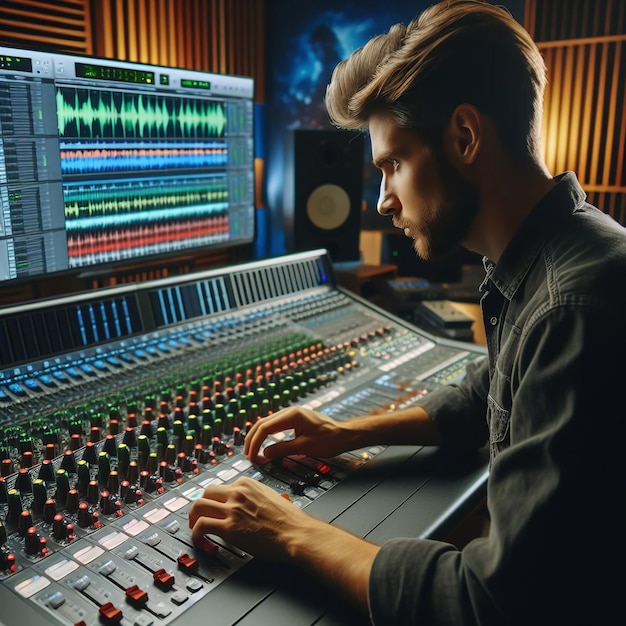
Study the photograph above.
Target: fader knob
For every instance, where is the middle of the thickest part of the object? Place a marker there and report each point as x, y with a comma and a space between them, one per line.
132, 495
28, 459
146, 429
162, 438
46, 471
147, 482
166, 472
72, 501
49, 511
93, 492
193, 423
113, 484
104, 468
23, 481
178, 430
207, 434
40, 494
143, 450
15, 505
58, 528
75, 442
33, 543
84, 476
107, 504
130, 437
6, 467
189, 445
170, 454
133, 472
62, 530
109, 446
85, 517
69, 462
25, 521
123, 459
163, 421
94, 434
63, 485
152, 463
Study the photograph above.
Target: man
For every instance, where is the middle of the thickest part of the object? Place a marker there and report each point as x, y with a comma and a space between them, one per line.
453, 108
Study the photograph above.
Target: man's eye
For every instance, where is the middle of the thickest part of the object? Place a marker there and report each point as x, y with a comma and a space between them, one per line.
394, 164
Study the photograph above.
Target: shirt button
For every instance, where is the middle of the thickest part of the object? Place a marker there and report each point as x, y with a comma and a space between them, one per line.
493, 321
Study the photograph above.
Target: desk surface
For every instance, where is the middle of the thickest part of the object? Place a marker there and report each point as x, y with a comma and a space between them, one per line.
405, 492
473, 310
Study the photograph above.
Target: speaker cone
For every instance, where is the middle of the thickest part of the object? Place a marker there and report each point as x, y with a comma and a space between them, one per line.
328, 206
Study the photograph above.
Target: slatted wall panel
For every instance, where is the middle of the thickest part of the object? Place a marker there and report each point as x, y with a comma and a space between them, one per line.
63, 25
224, 36
584, 126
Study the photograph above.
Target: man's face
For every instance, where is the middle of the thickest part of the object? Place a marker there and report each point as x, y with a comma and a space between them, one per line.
422, 191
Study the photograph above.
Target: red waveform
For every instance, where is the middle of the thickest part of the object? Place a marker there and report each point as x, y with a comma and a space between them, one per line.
144, 235
142, 152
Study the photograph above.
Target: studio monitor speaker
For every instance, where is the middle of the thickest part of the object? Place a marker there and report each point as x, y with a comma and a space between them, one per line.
323, 192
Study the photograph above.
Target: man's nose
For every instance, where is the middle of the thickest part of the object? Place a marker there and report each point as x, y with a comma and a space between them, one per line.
386, 203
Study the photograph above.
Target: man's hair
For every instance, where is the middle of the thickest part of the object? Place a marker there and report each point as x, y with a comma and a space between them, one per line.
456, 51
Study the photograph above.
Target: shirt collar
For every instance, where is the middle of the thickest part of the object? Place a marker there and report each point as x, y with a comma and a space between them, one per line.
561, 201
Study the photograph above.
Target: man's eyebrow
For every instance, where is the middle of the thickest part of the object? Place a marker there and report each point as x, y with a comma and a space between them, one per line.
381, 159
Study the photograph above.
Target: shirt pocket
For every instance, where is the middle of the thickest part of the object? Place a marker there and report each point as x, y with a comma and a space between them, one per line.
499, 421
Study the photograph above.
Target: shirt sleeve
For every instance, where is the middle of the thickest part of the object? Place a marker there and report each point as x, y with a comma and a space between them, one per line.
459, 410
554, 553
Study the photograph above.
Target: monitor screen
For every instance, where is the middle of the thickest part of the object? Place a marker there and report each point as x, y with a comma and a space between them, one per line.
107, 162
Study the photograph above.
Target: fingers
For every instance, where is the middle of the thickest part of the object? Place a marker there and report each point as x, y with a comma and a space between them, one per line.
208, 513
206, 526
282, 420
211, 504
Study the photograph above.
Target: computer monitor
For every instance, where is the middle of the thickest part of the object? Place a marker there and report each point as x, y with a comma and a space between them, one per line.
106, 163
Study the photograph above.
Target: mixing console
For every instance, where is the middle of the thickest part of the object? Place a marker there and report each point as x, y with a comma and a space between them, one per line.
118, 406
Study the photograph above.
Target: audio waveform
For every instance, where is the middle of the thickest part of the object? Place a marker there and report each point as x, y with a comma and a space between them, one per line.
144, 217
85, 248
142, 157
83, 112
123, 197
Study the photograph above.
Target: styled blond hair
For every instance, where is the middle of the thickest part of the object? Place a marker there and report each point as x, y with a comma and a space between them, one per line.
456, 51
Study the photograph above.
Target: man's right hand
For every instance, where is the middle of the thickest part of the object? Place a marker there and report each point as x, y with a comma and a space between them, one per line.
314, 435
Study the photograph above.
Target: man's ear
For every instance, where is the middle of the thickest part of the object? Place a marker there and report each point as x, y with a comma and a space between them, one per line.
463, 135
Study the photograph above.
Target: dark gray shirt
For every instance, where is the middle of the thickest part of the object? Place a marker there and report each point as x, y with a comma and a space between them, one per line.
554, 307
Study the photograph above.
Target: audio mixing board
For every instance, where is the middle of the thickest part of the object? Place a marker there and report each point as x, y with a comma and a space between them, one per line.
118, 406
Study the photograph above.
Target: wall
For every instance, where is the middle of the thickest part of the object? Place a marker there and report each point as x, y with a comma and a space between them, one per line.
584, 125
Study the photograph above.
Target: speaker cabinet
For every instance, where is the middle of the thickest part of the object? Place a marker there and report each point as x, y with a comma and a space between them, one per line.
324, 192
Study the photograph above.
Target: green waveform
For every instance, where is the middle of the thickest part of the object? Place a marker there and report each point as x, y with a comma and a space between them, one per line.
96, 202
94, 113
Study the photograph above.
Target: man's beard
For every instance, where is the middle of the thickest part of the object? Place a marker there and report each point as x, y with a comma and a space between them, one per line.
445, 224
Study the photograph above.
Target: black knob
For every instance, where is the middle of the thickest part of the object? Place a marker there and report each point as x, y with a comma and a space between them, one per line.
24, 482
85, 517
24, 522
46, 471
59, 530
72, 501
33, 543
49, 511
